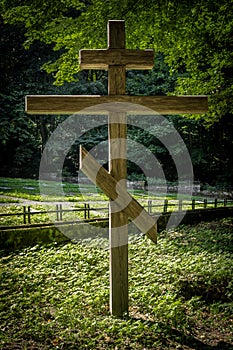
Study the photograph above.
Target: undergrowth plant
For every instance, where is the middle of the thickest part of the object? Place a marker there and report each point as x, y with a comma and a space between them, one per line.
180, 293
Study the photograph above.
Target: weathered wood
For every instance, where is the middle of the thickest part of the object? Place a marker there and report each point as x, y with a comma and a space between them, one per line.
116, 191
102, 59
117, 133
119, 294
118, 221
116, 34
116, 85
69, 104
117, 59
116, 54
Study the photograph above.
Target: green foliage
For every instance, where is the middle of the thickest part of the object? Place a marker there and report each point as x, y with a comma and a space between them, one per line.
20, 142
57, 295
196, 38
23, 137
8, 200
157, 81
193, 44
30, 189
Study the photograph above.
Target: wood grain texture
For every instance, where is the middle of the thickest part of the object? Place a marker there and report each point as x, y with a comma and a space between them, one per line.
116, 59
116, 85
102, 59
116, 191
118, 219
116, 54
116, 34
69, 104
119, 294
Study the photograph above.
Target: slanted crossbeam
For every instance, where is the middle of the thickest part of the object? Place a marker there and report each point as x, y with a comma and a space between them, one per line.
116, 192
116, 59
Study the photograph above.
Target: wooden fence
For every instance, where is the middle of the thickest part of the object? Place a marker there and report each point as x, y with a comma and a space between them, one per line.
90, 213
180, 205
27, 212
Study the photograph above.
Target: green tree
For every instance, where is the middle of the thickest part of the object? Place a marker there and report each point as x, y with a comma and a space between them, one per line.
22, 136
195, 36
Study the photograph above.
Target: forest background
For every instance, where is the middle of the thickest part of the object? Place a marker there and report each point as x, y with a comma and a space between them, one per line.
193, 42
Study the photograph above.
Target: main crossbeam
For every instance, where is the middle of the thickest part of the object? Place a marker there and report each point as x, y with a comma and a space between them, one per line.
70, 104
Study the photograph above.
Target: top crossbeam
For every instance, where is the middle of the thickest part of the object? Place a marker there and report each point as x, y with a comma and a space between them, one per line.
116, 59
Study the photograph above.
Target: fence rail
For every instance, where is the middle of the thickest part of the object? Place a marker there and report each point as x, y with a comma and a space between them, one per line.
90, 213
180, 205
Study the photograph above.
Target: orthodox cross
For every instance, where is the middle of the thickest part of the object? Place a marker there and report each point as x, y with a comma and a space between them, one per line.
116, 59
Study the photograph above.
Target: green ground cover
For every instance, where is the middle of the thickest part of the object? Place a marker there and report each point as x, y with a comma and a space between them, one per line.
56, 296
30, 189
23, 191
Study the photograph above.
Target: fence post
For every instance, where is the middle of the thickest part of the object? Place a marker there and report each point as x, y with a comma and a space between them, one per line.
149, 206
88, 211
57, 210
165, 205
193, 204
225, 202
60, 212
24, 215
205, 203
215, 202
29, 218
180, 205
85, 211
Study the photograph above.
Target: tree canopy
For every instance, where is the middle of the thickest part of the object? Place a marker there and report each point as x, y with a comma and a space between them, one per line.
195, 37
193, 45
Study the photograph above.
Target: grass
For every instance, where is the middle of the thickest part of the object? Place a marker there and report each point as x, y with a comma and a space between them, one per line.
42, 213
56, 296
18, 218
26, 189
8, 200
20, 188
30, 189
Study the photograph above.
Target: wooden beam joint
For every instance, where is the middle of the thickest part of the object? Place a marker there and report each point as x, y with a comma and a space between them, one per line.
102, 59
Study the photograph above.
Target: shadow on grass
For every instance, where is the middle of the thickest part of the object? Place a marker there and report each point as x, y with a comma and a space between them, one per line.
172, 338
214, 237
195, 343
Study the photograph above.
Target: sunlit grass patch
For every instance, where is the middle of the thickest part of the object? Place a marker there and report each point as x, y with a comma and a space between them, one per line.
5, 200
179, 290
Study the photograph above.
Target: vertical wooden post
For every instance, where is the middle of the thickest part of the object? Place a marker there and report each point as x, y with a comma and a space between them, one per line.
149, 206
193, 204
165, 205
118, 221
180, 205
85, 211
29, 217
57, 212
24, 215
205, 203
60, 212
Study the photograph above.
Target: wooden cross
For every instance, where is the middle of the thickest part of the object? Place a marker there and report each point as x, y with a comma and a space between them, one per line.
116, 59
